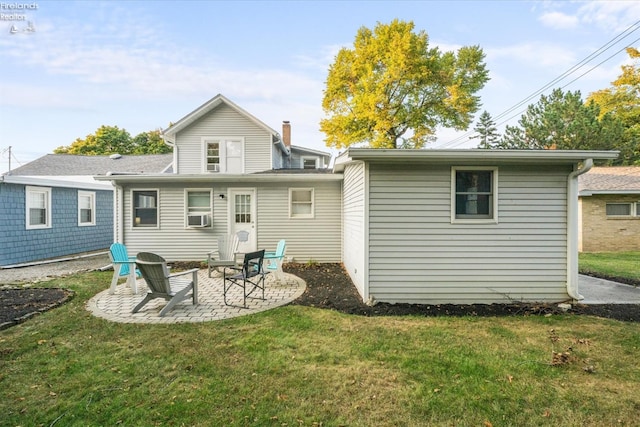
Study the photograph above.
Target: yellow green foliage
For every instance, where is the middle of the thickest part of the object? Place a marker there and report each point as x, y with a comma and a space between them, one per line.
392, 90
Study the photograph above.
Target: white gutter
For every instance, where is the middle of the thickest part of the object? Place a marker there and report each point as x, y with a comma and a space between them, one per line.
572, 229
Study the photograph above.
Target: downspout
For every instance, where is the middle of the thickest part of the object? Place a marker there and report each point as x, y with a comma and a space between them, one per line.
572, 229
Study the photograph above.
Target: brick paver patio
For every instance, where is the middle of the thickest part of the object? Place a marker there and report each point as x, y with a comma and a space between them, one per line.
117, 307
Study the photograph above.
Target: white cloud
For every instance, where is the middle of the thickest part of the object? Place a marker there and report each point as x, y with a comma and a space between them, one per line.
559, 20
614, 16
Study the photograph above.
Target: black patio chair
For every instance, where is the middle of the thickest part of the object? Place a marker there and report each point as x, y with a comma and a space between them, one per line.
250, 277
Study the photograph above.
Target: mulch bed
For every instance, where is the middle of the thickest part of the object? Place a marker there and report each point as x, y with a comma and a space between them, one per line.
328, 287
20, 304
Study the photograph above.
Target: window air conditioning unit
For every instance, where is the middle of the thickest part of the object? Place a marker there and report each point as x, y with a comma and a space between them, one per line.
213, 168
198, 220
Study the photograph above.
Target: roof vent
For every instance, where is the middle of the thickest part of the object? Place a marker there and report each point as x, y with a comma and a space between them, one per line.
115, 156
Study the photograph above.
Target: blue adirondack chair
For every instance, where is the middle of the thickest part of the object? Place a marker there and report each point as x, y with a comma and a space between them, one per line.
273, 260
123, 266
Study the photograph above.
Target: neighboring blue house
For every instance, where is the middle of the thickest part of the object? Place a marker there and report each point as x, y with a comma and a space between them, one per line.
52, 207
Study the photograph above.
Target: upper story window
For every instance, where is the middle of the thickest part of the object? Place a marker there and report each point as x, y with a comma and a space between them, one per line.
38, 207
301, 203
145, 208
213, 156
474, 194
86, 208
309, 162
224, 155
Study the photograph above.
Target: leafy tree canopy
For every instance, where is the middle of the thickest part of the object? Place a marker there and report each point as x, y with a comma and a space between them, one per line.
622, 101
562, 121
392, 90
111, 139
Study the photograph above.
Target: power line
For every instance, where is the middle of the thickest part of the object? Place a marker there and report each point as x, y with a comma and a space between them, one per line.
624, 34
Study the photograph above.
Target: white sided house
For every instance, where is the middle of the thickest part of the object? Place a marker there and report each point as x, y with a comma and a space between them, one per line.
417, 226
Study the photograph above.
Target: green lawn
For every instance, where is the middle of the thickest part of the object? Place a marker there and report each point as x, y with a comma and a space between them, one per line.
611, 264
302, 366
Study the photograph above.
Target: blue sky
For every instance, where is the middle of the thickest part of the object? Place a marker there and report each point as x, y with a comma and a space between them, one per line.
139, 65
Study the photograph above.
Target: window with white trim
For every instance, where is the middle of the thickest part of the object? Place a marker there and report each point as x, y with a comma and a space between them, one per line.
86, 208
622, 210
301, 203
224, 155
145, 208
198, 203
309, 162
474, 194
38, 207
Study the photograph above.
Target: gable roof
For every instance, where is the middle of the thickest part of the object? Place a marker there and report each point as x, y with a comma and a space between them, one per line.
610, 180
170, 133
75, 165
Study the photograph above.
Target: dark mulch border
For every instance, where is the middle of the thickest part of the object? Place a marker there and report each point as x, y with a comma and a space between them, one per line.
20, 304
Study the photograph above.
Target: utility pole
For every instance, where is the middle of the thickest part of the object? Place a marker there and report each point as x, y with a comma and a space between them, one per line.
9, 173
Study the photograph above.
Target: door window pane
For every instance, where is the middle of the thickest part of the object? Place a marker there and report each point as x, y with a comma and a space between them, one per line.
243, 208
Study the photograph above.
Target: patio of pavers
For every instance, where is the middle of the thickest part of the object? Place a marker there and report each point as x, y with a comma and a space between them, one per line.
117, 307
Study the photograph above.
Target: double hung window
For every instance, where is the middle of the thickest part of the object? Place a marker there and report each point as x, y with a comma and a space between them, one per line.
38, 207
86, 208
474, 194
301, 203
145, 208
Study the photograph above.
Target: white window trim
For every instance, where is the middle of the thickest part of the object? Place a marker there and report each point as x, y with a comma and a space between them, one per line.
47, 192
222, 152
315, 159
186, 207
92, 196
132, 207
313, 204
634, 211
494, 191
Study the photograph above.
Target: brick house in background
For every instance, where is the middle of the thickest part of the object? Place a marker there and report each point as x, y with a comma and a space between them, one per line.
609, 209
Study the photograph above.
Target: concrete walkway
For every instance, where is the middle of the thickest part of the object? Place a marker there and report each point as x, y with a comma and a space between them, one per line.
117, 307
601, 291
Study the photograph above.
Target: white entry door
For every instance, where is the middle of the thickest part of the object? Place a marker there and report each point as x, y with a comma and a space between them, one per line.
242, 217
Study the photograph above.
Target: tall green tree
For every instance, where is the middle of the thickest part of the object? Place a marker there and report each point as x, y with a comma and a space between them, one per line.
622, 101
391, 90
487, 132
562, 121
111, 139
150, 142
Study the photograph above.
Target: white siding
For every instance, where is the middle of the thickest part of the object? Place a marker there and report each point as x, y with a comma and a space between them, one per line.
317, 239
416, 255
172, 240
224, 121
354, 198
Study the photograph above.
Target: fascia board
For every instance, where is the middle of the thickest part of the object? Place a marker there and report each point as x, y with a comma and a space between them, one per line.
221, 178
476, 155
586, 193
85, 183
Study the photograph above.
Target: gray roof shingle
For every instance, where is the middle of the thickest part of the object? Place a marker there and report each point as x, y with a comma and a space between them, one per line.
72, 165
615, 179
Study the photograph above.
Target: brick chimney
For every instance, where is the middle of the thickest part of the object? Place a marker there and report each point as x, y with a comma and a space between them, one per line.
286, 133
